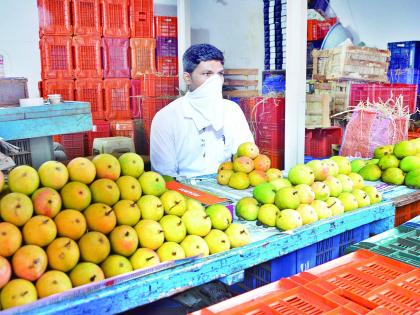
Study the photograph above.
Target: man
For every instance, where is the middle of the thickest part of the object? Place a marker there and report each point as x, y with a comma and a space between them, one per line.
195, 133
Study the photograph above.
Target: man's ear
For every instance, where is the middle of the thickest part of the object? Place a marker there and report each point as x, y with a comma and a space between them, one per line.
187, 78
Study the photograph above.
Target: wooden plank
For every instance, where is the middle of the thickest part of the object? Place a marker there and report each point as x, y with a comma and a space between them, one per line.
241, 71
229, 82
241, 93
122, 296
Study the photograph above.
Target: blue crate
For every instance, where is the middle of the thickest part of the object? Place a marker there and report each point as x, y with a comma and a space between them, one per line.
237, 100
308, 158
351, 237
274, 83
407, 75
301, 259
404, 55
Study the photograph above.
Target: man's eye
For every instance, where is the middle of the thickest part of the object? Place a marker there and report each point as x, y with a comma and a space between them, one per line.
207, 73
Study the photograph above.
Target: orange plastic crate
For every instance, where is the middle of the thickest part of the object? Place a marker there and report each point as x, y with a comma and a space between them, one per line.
360, 272
91, 90
167, 65
87, 17
115, 18
406, 213
166, 26
395, 299
56, 57
122, 128
141, 18
396, 290
54, 17
63, 87
116, 57
117, 98
157, 85
87, 57
143, 51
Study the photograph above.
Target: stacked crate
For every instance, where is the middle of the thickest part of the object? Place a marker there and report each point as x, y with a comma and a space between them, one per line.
57, 68
404, 66
275, 34
153, 87
85, 55
265, 116
166, 45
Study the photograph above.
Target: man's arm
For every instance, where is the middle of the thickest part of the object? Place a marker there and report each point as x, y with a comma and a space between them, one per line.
242, 131
162, 147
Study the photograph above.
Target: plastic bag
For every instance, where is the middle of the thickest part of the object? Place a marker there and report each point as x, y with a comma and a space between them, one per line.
368, 129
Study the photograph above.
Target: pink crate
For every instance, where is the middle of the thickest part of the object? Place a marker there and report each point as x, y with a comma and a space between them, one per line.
116, 57
376, 92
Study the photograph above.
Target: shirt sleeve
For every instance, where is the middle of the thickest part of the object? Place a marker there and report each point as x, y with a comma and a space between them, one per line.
162, 146
242, 131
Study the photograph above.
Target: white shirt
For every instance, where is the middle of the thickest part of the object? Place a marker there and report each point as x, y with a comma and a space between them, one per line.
180, 145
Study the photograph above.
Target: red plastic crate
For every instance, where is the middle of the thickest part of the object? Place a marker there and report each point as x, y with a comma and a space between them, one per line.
115, 18
270, 136
91, 90
117, 98
318, 29
87, 57
143, 51
276, 157
166, 26
156, 85
135, 98
116, 57
122, 128
321, 142
63, 87
54, 17
74, 144
413, 135
141, 18
263, 110
308, 139
100, 129
87, 17
376, 92
151, 105
407, 212
56, 57
167, 65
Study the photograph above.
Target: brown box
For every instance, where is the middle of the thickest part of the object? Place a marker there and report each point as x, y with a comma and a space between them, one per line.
11, 90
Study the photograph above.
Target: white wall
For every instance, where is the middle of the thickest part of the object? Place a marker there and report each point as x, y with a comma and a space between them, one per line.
234, 26
19, 41
377, 22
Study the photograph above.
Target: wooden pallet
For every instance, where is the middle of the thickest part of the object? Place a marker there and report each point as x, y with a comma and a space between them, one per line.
240, 83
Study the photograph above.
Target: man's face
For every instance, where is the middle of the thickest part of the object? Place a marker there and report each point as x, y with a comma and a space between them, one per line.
202, 72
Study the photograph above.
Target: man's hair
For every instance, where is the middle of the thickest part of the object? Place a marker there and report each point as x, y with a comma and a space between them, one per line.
200, 52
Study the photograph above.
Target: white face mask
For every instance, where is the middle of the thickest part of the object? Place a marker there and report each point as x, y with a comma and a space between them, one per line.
207, 100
